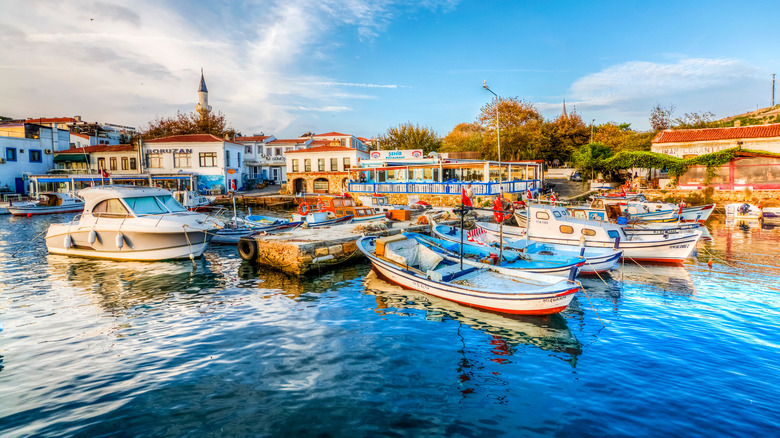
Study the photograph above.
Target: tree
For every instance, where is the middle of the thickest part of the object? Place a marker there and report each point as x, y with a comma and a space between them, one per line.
408, 136
520, 130
661, 118
695, 121
464, 137
590, 158
562, 137
188, 123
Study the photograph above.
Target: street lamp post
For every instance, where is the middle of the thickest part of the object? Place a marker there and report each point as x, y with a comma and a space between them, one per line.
498, 129
591, 129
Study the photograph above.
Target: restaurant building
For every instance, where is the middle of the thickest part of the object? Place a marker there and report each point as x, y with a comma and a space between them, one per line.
757, 165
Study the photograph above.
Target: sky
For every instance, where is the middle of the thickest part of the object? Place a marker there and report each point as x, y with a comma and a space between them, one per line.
360, 67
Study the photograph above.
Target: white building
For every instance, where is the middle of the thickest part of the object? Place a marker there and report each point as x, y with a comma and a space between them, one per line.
27, 148
345, 140
218, 164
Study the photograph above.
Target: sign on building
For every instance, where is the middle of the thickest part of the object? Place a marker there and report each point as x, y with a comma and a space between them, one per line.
396, 155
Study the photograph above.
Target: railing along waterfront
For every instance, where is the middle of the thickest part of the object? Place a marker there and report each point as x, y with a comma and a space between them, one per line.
445, 188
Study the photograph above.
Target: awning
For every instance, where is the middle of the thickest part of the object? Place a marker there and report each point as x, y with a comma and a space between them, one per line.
154, 178
71, 158
53, 180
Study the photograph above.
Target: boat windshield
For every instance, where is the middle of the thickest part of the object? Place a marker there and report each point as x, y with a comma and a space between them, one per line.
172, 204
154, 205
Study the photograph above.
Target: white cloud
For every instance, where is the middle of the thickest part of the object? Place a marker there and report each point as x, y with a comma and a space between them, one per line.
628, 91
131, 61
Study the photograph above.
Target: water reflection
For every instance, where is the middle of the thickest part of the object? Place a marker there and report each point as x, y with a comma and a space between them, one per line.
550, 333
307, 288
670, 279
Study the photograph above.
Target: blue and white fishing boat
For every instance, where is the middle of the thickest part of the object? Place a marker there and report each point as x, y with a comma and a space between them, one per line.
410, 264
321, 219
597, 260
478, 255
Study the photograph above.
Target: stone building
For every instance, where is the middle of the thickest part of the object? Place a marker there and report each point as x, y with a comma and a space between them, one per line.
321, 169
757, 166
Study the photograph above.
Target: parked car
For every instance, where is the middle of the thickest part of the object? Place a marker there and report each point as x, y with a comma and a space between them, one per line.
576, 176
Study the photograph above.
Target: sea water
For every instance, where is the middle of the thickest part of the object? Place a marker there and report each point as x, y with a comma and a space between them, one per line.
221, 348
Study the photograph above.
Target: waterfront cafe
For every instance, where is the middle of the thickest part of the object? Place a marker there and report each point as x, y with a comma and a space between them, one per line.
65, 181
448, 177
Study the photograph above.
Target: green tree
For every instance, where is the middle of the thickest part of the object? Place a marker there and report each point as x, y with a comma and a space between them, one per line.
590, 158
520, 130
188, 123
409, 136
562, 137
464, 137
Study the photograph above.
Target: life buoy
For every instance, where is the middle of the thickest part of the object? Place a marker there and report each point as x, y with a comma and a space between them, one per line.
247, 249
303, 208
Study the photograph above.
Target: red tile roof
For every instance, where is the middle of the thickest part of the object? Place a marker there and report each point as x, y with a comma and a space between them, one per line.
189, 138
52, 120
711, 134
78, 134
324, 149
98, 148
253, 138
287, 140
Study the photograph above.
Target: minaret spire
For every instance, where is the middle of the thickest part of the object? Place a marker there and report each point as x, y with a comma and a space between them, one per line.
203, 107
564, 110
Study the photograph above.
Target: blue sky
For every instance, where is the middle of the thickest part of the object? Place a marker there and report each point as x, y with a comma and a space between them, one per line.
285, 67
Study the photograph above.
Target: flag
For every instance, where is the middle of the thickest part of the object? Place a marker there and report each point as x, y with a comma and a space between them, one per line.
471, 235
103, 173
552, 198
528, 195
463, 198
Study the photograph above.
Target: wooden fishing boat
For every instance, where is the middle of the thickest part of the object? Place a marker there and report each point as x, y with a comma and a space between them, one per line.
550, 224
478, 255
410, 264
597, 260
48, 203
321, 219
341, 206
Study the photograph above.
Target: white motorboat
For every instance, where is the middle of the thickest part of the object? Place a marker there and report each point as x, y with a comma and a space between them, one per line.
48, 203
410, 264
555, 225
743, 211
131, 223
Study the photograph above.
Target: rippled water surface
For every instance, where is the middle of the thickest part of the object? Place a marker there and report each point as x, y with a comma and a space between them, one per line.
218, 348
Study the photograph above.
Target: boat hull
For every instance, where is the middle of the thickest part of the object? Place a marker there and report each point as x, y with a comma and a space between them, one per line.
669, 250
34, 211
136, 245
551, 301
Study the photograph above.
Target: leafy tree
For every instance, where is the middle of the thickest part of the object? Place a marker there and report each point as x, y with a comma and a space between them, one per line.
590, 158
464, 137
696, 121
562, 137
188, 123
520, 130
661, 118
409, 136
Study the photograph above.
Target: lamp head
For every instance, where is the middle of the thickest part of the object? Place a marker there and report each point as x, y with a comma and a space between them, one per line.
484, 85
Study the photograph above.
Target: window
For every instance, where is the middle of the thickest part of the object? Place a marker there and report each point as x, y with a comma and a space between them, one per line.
208, 159
613, 234
259, 149
35, 156
295, 165
411, 174
391, 174
321, 185
542, 215
334, 164
557, 214
153, 161
248, 149
125, 163
321, 164
112, 162
133, 164
227, 158
10, 154
307, 165
182, 160
346, 163
101, 163
238, 159
277, 151
110, 208
566, 229
146, 205
588, 232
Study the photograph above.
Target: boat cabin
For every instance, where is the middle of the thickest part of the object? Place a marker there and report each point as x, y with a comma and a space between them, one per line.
558, 223
343, 206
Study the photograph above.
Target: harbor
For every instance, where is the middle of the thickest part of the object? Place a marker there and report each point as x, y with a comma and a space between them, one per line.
218, 345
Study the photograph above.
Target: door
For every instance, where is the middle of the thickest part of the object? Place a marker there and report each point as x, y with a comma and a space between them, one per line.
275, 171
19, 182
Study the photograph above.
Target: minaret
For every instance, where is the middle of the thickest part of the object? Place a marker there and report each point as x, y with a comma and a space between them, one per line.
203, 107
564, 115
